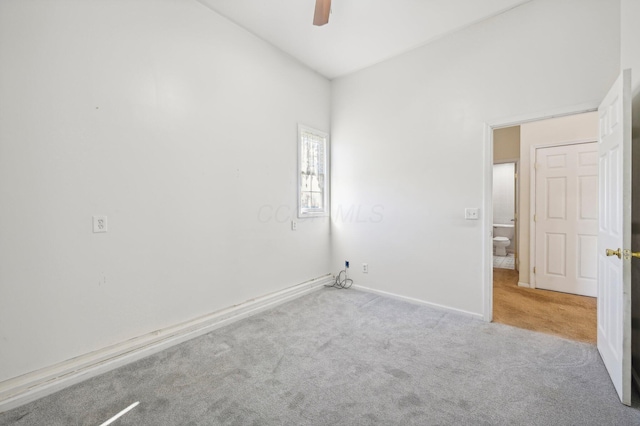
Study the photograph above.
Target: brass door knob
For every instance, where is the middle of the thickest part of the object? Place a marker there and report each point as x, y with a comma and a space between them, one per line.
614, 253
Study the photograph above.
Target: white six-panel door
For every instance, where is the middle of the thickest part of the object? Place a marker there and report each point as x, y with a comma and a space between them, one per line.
614, 233
566, 218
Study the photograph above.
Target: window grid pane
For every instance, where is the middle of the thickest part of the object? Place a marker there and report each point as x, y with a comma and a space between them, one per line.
312, 172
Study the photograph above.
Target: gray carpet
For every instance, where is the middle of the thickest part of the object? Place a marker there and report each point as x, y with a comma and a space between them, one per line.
344, 357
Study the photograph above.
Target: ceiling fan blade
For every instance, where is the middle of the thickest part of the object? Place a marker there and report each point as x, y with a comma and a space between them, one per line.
323, 8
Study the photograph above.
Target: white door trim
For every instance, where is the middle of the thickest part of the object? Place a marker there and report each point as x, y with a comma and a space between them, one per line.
487, 223
532, 200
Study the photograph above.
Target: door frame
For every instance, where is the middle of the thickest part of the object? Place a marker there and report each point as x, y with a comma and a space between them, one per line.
532, 200
487, 197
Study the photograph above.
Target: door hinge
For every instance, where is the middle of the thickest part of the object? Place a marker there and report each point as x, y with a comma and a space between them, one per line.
534, 269
535, 217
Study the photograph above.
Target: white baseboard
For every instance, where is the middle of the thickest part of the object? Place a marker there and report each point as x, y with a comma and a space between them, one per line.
31, 386
419, 302
526, 285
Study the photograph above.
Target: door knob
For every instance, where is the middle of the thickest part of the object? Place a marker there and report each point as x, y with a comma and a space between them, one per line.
614, 253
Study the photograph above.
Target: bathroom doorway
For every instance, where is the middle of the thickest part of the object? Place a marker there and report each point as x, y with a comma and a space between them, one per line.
515, 300
505, 215
506, 198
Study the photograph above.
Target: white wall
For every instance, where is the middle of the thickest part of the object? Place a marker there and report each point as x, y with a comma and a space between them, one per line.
177, 125
408, 139
630, 34
573, 128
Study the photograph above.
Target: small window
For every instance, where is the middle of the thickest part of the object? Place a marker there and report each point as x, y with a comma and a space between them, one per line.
313, 179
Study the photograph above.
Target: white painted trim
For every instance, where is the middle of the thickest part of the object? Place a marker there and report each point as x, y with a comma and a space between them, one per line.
418, 302
487, 232
545, 115
489, 127
532, 213
525, 285
532, 200
31, 386
516, 232
565, 143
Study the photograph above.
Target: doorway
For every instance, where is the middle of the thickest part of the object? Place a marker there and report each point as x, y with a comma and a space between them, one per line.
505, 213
515, 299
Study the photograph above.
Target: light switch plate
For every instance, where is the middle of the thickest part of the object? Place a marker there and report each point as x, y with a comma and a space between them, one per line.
472, 213
99, 224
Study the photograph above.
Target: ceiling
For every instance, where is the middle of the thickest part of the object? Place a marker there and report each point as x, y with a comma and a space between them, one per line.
360, 33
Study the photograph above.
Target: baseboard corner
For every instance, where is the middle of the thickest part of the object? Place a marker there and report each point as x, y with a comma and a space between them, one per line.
420, 302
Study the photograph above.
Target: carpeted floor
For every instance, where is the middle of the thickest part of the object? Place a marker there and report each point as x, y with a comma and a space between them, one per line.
344, 357
565, 315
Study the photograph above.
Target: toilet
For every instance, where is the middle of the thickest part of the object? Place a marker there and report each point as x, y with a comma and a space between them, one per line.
502, 236
500, 245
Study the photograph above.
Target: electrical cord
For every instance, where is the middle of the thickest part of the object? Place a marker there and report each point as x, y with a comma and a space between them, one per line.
343, 283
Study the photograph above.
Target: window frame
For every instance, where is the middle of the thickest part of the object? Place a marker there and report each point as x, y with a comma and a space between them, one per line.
325, 211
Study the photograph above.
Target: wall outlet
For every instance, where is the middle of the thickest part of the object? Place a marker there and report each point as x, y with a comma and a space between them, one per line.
472, 213
346, 264
99, 224
294, 225
365, 268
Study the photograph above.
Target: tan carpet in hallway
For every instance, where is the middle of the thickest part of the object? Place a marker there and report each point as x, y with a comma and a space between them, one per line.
565, 315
